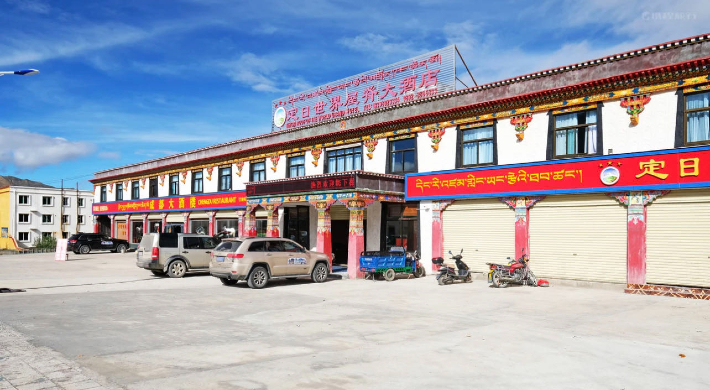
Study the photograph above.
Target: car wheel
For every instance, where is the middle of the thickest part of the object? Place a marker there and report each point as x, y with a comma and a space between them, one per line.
121, 248
177, 269
389, 275
320, 273
227, 282
84, 249
157, 273
258, 277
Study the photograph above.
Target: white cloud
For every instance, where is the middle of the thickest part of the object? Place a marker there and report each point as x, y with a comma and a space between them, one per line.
378, 44
35, 6
110, 155
26, 150
263, 74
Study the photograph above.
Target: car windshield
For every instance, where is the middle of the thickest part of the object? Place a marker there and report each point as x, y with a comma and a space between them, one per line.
228, 246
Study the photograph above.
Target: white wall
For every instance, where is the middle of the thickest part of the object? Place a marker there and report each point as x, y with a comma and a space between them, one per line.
425, 233
379, 157
312, 169
210, 185
110, 193
533, 147
440, 160
656, 128
143, 188
280, 168
164, 190
185, 189
239, 182
374, 220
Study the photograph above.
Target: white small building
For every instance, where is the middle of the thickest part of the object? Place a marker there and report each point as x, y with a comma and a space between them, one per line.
28, 213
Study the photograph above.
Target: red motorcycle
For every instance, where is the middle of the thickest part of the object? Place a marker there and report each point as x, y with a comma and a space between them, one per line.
516, 271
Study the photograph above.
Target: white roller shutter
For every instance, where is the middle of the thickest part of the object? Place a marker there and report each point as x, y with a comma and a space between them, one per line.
485, 229
581, 237
174, 218
342, 213
678, 239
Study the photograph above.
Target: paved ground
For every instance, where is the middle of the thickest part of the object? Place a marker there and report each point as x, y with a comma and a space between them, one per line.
98, 321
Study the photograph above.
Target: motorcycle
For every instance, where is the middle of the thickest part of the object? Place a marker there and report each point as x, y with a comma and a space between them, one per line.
448, 275
516, 271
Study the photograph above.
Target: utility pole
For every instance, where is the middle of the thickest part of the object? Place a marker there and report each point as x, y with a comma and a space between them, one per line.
61, 211
76, 229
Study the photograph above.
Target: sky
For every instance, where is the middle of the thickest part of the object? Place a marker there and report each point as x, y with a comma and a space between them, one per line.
128, 81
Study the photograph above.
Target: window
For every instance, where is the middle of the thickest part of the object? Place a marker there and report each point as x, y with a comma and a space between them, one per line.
197, 182
23, 236
119, 191
65, 201
191, 243
135, 190
103, 193
343, 160
225, 178
47, 234
81, 202
174, 185
65, 219
209, 242
403, 156
80, 219
168, 240
153, 188
46, 218
274, 246
261, 227
697, 118
258, 171
477, 146
257, 246
23, 199
228, 246
23, 218
575, 134
291, 247
297, 166
47, 201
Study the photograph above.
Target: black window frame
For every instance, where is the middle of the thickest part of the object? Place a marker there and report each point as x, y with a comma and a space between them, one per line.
177, 185
290, 165
221, 176
135, 190
460, 144
153, 187
66, 201
19, 218
686, 111
19, 200
26, 234
119, 191
551, 141
79, 219
65, 217
344, 150
51, 219
390, 152
80, 202
102, 196
51, 201
195, 180
252, 170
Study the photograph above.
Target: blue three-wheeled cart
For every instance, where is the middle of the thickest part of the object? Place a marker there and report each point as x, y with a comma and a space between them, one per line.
390, 263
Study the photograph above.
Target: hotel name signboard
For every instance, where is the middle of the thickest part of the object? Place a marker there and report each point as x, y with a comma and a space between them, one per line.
665, 169
217, 201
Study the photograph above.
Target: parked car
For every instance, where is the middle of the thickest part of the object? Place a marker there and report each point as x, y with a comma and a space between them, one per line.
86, 242
257, 260
175, 254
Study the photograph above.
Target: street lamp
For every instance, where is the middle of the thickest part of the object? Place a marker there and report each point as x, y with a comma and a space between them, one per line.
24, 72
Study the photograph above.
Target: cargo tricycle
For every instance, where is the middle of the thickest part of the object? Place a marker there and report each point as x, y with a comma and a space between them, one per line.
390, 263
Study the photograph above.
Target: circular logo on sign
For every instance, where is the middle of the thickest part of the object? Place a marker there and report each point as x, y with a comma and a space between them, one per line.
280, 116
609, 175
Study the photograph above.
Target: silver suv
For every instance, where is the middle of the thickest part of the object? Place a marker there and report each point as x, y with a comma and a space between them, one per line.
175, 254
257, 260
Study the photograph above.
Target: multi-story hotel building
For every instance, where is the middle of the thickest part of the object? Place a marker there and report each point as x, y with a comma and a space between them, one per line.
597, 170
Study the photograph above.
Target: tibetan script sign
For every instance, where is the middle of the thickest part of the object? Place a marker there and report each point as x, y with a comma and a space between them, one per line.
682, 168
222, 200
420, 77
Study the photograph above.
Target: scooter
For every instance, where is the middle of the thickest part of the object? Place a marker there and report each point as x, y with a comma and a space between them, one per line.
448, 275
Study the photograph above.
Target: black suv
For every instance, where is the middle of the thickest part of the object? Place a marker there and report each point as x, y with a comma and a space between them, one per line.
86, 242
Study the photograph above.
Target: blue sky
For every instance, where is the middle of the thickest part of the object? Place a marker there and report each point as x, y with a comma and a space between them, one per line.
127, 81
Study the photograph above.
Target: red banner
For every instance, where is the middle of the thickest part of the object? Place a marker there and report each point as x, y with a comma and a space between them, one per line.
223, 200
653, 170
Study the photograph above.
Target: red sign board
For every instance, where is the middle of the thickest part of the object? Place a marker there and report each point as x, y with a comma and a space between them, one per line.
637, 171
322, 183
223, 200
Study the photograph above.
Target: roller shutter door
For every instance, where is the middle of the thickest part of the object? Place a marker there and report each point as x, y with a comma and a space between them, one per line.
174, 218
581, 237
341, 213
678, 239
485, 229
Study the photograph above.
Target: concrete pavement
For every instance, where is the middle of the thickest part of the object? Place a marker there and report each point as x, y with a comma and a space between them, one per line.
124, 327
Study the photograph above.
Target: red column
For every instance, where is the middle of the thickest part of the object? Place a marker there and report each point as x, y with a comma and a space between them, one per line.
272, 220
636, 203
96, 225
250, 221
113, 225
146, 228
324, 243
356, 236
163, 220
210, 215
240, 223
437, 231
128, 227
186, 222
522, 227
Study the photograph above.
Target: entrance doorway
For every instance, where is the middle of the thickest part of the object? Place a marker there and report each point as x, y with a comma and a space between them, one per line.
104, 225
401, 226
297, 222
339, 235
137, 229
